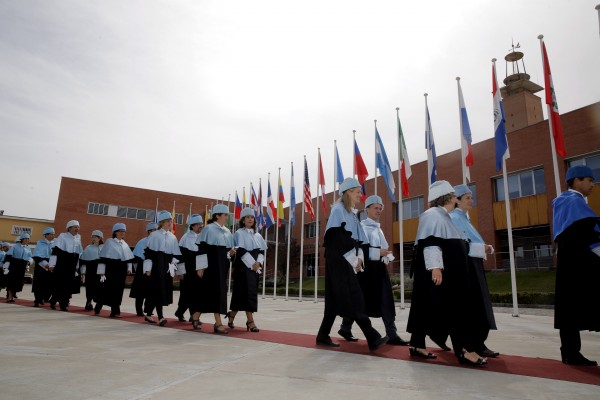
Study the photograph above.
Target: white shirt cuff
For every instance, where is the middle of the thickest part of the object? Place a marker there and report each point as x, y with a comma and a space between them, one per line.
248, 260
52, 261
477, 250
374, 253
433, 257
147, 266
201, 261
101, 269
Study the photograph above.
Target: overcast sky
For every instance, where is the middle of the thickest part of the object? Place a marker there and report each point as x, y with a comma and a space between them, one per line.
203, 97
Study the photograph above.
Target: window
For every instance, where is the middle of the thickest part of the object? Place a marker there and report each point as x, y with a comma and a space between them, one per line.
411, 208
150, 215
309, 264
310, 230
97, 208
179, 219
131, 213
521, 184
591, 161
122, 212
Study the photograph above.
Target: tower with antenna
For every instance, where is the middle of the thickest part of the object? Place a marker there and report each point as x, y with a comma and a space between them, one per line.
521, 106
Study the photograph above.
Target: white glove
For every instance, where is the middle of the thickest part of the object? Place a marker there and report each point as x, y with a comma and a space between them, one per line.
76, 273
172, 269
102, 278
259, 271
82, 278
385, 260
27, 268
174, 261
5, 268
129, 268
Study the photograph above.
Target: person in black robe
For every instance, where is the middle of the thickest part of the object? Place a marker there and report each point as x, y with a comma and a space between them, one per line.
247, 267
64, 265
16, 263
88, 267
212, 264
115, 263
375, 279
160, 264
441, 280
140, 283
577, 236
42, 282
344, 258
189, 281
4, 247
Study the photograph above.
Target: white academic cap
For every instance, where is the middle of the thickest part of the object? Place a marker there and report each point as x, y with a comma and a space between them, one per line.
438, 189
98, 233
246, 212
151, 227
164, 215
47, 231
373, 199
349, 183
72, 222
461, 190
23, 236
119, 226
220, 209
195, 219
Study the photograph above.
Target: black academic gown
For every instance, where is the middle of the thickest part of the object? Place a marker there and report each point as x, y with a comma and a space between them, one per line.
244, 296
15, 279
65, 281
160, 282
111, 290
212, 296
376, 286
139, 286
441, 309
42, 282
577, 298
479, 296
92, 280
189, 283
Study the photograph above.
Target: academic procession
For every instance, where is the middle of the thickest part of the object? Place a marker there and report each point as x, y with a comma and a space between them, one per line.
521, 199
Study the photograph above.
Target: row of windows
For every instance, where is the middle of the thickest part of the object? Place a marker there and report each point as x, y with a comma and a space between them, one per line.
111, 210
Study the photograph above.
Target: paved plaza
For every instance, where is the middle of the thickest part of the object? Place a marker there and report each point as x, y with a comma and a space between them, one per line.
55, 355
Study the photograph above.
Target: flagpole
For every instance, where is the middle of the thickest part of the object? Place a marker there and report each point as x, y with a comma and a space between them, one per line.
428, 151
353, 155
375, 136
463, 156
231, 229
335, 171
598, 8
302, 234
267, 243
316, 268
552, 144
289, 232
400, 213
276, 237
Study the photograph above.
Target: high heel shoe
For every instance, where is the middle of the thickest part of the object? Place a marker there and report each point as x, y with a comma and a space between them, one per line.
230, 319
149, 319
220, 330
416, 353
465, 361
251, 328
196, 324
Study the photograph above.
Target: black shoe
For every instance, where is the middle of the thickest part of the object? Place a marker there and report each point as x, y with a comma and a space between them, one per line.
88, 306
230, 318
115, 315
465, 361
488, 353
140, 314
97, 309
378, 343
53, 306
149, 319
348, 336
196, 325
65, 309
416, 353
162, 322
441, 345
577, 359
180, 317
327, 342
398, 341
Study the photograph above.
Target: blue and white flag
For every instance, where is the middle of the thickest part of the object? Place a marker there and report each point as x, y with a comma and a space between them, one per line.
292, 209
499, 126
383, 165
430, 146
339, 174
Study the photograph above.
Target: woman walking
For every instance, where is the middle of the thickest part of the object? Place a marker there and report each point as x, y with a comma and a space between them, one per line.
16, 262
247, 267
189, 282
42, 282
88, 266
140, 284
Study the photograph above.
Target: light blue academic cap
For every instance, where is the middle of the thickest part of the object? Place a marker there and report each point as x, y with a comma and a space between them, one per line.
220, 209
461, 190
72, 222
23, 236
119, 226
98, 233
247, 212
195, 219
151, 227
164, 215
47, 231
373, 199
349, 183
579, 171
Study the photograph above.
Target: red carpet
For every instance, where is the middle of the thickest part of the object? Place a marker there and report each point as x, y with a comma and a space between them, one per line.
527, 366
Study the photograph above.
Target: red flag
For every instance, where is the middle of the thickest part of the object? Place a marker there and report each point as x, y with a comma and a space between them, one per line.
308, 207
554, 117
360, 171
237, 211
322, 184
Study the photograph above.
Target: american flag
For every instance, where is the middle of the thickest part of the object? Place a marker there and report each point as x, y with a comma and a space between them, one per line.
308, 206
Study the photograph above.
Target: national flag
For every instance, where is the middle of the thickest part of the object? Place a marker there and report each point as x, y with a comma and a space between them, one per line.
207, 215
244, 203
237, 211
308, 207
465, 128
554, 117
500, 139
383, 165
339, 174
430, 146
271, 211
280, 201
187, 222
292, 210
261, 217
360, 171
155, 220
322, 184
405, 171
254, 202
174, 227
